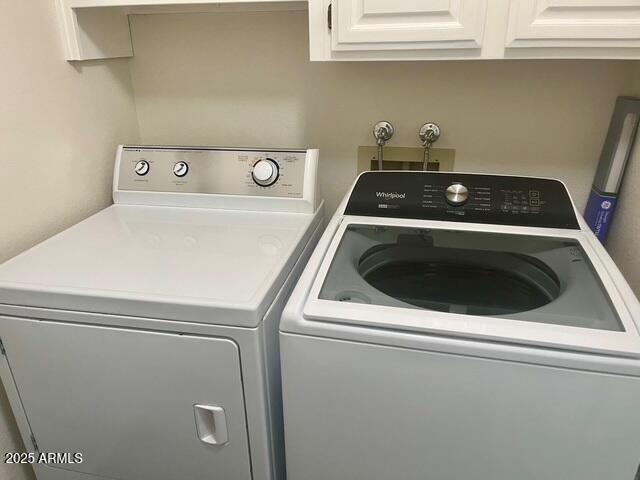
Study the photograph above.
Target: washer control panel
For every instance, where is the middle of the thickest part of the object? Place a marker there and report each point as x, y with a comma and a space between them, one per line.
498, 199
247, 172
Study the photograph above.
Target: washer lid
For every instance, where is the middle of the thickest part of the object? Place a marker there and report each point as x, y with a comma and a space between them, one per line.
517, 288
203, 265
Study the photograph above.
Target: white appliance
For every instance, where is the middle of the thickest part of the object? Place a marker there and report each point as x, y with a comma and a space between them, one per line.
457, 326
146, 337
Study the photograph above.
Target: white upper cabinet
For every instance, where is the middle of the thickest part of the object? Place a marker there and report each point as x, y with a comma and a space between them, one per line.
407, 24
608, 28
468, 29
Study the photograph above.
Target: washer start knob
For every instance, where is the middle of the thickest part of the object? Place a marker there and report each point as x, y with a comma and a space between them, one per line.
457, 194
180, 169
265, 172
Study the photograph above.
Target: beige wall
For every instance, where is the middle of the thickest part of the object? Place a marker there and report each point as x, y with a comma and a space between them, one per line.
624, 239
233, 78
59, 127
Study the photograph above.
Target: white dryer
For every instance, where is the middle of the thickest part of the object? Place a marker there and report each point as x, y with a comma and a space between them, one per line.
458, 326
146, 337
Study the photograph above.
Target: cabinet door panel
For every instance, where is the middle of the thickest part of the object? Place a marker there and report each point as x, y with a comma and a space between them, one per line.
574, 23
407, 24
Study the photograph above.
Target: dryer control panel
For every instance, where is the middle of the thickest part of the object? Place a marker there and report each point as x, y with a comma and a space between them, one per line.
243, 178
475, 198
273, 173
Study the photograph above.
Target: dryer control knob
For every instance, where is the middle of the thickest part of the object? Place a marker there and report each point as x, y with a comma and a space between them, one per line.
180, 169
457, 194
265, 172
142, 168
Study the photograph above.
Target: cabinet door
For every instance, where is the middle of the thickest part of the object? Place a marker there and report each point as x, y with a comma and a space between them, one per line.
574, 23
126, 399
407, 24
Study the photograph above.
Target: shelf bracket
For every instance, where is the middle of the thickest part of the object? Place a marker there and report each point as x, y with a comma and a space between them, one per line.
93, 33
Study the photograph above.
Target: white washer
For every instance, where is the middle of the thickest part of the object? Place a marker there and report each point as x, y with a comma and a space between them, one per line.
457, 326
146, 337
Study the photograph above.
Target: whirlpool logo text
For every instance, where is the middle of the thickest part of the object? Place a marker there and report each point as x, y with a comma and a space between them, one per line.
391, 195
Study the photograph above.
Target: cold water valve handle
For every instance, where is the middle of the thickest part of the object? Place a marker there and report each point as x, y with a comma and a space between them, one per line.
429, 134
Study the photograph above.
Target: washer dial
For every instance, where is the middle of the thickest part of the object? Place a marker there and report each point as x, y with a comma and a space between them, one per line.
142, 168
180, 169
457, 194
265, 172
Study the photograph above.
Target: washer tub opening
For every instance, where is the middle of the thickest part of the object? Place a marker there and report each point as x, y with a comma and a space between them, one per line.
473, 282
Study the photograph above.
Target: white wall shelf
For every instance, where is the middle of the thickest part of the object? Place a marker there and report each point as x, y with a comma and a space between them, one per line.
99, 29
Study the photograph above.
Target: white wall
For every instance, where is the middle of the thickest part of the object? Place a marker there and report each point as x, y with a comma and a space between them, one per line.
245, 78
59, 127
624, 238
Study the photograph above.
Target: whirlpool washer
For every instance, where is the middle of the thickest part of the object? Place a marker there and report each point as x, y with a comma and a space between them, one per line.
146, 337
454, 326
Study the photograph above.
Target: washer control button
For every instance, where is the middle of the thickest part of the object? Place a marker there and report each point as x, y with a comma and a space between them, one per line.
180, 169
457, 194
142, 168
265, 172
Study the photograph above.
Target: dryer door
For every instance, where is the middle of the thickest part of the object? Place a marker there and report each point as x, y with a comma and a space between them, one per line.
137, 405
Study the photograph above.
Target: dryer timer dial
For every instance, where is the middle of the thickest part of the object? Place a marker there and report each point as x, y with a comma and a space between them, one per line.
265, 172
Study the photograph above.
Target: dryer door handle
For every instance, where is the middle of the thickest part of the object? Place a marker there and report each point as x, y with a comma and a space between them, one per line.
211, 424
